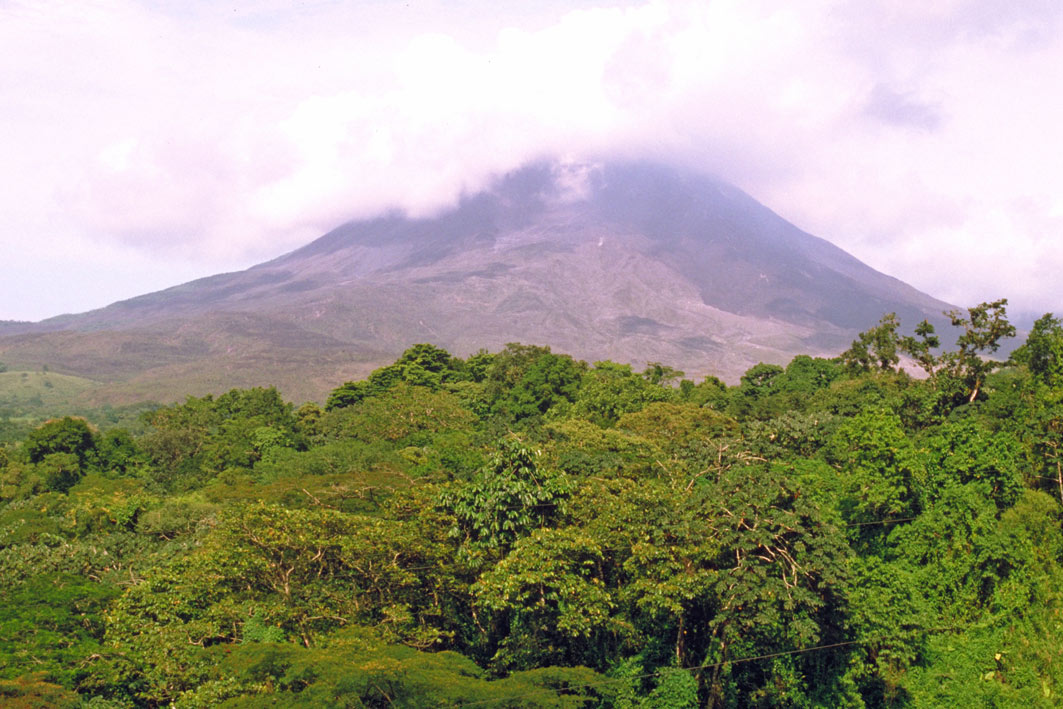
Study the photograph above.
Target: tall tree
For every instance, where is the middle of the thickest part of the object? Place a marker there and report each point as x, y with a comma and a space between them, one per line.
922, 349
876, 347
984, 326
1044, 350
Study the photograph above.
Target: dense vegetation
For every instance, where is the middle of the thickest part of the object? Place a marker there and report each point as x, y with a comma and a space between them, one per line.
28, 398
520, 529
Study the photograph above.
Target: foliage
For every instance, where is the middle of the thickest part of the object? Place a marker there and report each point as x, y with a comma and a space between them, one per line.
405, 414
881, 466
1044, 350
518, 529
669, 424
506, 500
421, 365
67, 436
874, 348
922, 346
31, 692
50, 623
611, 390
984, 326
356, 669
525, 382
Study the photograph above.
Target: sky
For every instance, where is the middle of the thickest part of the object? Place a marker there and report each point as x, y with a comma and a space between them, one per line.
144, 143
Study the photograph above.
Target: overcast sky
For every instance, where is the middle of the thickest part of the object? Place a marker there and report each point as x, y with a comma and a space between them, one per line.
145, 143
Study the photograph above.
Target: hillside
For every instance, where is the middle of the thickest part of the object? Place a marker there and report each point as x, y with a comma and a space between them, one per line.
619, 261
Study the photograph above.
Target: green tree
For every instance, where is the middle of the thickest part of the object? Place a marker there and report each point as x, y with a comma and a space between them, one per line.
66, 435
348, 394
1044, 350
404, 414
421, 365
506, 500
30, 691
60, 471
962, 451
711, 392
611, 390
117, 452
548, 381
754, 397
880, 465
1044, 434
523, 382
759, 380
431, 362
175, 443
805, 375
193, 442
549, 602
51, 623
356, 668
875, 348
661, 374
984, 326
304, 572
478, 365
675, 425
921, 347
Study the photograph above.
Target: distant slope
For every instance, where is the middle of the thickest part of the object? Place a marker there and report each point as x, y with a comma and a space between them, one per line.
632, 262
22, 391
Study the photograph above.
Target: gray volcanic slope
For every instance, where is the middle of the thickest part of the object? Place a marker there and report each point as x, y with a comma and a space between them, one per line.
632, 262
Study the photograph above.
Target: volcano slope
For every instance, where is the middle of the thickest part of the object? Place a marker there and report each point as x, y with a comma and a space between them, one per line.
632, 262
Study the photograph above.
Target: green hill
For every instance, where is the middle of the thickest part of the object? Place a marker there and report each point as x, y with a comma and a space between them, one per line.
23, 392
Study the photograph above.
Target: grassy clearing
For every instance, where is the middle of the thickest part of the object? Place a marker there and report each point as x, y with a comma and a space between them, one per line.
24, 393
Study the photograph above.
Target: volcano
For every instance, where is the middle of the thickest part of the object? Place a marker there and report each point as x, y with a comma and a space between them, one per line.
633, 262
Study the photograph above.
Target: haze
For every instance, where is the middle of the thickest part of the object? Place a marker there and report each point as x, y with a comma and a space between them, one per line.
148, 143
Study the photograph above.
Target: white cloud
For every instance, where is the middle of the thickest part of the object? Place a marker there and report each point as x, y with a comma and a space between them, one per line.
919, 136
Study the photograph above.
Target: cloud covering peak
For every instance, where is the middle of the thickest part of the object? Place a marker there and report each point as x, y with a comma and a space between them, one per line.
150, 143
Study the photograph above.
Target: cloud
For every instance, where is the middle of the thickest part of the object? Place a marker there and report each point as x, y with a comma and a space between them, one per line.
901, 109
912, 134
